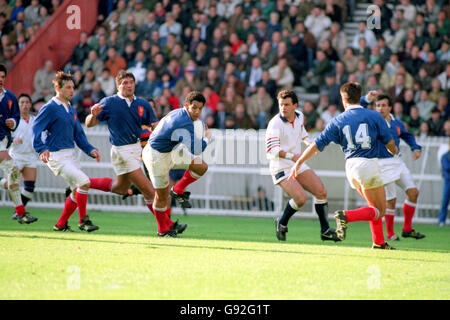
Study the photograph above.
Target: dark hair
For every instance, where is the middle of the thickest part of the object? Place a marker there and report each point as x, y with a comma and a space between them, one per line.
352, 91
195, 96
3, 68
60, 78
122, 74
24, 95
384, 96
284, 94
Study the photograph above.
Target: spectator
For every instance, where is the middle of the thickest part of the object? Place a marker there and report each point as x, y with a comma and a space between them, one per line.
231, 99
310, 114
397, 91
123, 11
190, 80
221, 115
432, 66
114, 62
337, 37
148, 26
80, 52
138, 67
350, 61
170, 26
331, 89
414, 121
230, 122
235, 83
92, 62
274, 24
361, 72
333, 11
413, 61
315, 76
329, 51
424, 79
408, 101
425, 105
435, 123
282, 74
268, 83
290, 21
97, 93
18, 7
253, 76
397, 111
431, 10
237, 18
262, 203
445, 167
340, 75
31, 13
446, 132
424, 130
259, 106
331, 112
212, 98
444, 53
319, 126
107, 82
394, 36
43, 86
139, 13
444, 78
364, 32
225, 8
243, 121
43, 16
317, 22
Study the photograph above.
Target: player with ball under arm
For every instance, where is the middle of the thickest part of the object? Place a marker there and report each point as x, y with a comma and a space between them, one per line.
176, 143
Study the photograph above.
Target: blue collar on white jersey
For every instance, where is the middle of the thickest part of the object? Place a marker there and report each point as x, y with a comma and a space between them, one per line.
286, 120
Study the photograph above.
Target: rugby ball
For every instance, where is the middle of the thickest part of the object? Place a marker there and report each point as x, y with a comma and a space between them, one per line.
199, 129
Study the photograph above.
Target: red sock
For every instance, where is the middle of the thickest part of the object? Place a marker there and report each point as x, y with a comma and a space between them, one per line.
361, 214
69, 208
163, 221
389, 221
20, 210
184, 182
81, 198
376, 226
409, 208
103, 184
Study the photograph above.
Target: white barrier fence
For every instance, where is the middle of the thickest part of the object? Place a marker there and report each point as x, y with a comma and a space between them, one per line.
237, 168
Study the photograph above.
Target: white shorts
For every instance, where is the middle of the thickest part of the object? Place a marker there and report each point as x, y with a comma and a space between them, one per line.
28, 160
3, 144
64, 163
405, 182
363, 173
127, 158
392, 169
283, 174
159, 164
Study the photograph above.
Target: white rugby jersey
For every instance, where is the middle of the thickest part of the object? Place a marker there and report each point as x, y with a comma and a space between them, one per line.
24, 131
286, 136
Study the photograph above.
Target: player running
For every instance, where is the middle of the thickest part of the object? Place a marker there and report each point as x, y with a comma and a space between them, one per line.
124, 113
63, 129
284, 136
395, 172
361, 134
9, 121
21, 150
174, 144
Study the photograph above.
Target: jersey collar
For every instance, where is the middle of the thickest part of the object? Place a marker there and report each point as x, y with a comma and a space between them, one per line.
128, 101
354, 106
286, 120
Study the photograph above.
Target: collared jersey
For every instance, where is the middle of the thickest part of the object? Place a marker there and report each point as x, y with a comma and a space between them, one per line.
286, 136
24, 131
62, 127
9, 109
125, 120
361, 133
177, 126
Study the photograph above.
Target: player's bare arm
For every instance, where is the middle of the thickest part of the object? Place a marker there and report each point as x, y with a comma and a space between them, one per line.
391, 147
91, 120
416, 154
308, 153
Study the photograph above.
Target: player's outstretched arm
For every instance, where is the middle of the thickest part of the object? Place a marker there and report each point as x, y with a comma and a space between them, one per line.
91, 120
308, 153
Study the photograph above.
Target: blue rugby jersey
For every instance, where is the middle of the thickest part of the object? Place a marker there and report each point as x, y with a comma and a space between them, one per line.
398, 131
125, 122
177, 126
63, 129
9, 109
360, 132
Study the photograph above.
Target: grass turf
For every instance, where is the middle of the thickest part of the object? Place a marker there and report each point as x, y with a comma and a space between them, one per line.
224, 258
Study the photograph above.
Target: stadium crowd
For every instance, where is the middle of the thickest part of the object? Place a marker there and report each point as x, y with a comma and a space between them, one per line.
240, 53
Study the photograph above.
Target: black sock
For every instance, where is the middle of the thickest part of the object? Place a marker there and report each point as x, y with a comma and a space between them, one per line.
135, 189
322, 212
24, 199
287, 214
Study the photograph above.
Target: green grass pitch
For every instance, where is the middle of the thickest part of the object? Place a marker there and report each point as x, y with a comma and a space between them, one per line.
217, 258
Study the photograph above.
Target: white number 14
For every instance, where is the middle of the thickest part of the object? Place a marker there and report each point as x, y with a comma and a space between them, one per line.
361, 137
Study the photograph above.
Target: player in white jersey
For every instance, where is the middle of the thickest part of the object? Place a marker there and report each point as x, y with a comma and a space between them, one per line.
284, 135
22, 152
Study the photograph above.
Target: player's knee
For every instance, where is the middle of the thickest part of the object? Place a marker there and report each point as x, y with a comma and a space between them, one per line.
300, 200
321, 194
412, 194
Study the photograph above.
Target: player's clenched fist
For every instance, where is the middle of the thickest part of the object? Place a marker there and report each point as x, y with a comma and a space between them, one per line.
96, 109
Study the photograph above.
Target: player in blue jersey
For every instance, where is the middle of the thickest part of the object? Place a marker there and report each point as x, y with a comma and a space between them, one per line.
361, 133
124, 113
9, 121
174, 144
59, 120
395, 172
